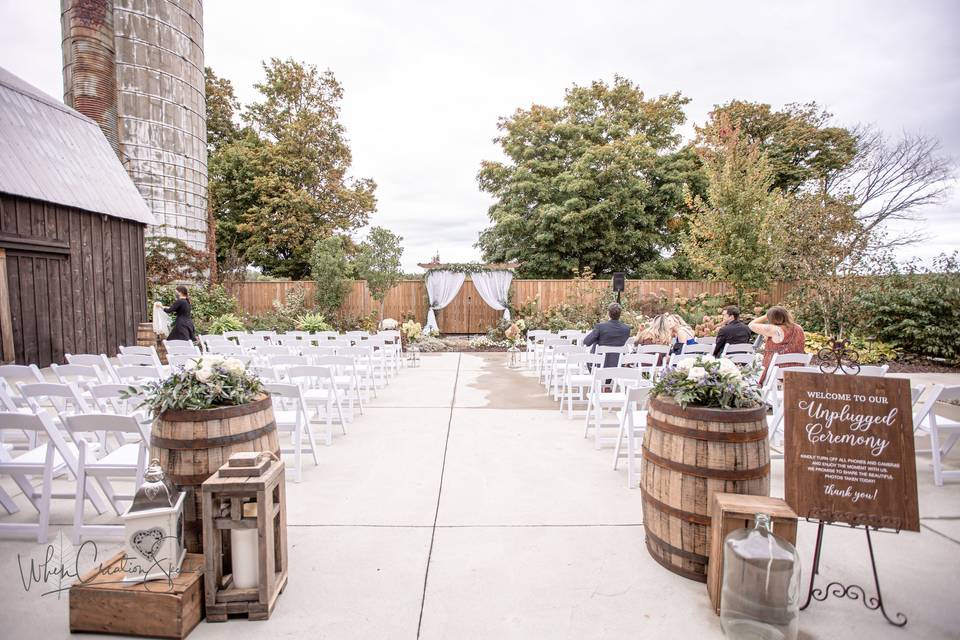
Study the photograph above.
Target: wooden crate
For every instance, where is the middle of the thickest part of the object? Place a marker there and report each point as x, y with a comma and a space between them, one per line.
101, 602
731, 511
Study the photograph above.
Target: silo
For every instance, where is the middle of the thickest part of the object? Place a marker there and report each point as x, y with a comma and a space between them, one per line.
159, 100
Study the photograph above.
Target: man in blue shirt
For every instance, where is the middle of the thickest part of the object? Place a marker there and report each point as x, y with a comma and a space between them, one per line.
612, 333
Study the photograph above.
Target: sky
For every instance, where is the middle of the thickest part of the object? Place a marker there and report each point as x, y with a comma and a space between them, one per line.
425, 82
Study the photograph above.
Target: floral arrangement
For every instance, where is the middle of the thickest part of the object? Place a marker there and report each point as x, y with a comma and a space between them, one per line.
516, 332
484, 342
709, 382
411, 330
204, 383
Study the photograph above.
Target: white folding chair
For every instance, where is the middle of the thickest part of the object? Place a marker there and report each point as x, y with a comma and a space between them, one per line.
535, 339
263, 353
225, 349
118, 399
697, 347
80, 375
869, 370
545, 359
266, 336
180, 346
558, 365
633, 422
138, 350
183, 351
209, 339
319, 388
93, 360
732, 349
234, 335
944, 434
608, 391
620, 351
265, 372
647, 363
138, 373
12, 375
127, 460
178, 361
251, 343
345, 377
137, 360
577, 379
662, 350
280, 363
710, 340
741, 359
47, 461
677, 358
771, 382
292, 416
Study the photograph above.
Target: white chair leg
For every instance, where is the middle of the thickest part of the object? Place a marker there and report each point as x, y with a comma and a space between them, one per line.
297, 451
79, 501
7, 502
935, 451
596, 428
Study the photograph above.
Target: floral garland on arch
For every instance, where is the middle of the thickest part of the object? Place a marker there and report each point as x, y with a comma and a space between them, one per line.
467, 268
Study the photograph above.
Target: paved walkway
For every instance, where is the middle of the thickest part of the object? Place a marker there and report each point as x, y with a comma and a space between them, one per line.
462, 505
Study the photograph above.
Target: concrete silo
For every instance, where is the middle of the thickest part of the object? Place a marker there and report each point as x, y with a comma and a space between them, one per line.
136, 67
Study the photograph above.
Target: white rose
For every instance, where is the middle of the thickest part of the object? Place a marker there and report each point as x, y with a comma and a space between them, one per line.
212, 360
203, 374
234, 366
685, 364
727, 366
189, 365
696, 373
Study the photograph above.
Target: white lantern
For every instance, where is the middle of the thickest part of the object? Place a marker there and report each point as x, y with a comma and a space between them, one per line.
153, 530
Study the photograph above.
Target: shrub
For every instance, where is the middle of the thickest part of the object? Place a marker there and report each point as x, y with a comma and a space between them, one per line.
918, 311
484, 342
313, 322
430, 344
226, 322
868, 351
331, 271
210, 302
368, 323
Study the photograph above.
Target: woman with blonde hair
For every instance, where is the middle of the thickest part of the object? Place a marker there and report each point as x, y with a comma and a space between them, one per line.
781, 333
681, 331
657, 331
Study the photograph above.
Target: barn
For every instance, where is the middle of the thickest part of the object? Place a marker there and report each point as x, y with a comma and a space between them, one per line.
72, 272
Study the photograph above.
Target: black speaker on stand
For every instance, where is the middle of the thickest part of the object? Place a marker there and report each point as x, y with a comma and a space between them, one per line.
619, 283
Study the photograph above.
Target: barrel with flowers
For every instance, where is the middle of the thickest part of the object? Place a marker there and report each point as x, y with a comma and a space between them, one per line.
207, 410
706, 432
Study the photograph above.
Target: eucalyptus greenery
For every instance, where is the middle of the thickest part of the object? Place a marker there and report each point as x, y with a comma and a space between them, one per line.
468, 267
205, 383
709, 382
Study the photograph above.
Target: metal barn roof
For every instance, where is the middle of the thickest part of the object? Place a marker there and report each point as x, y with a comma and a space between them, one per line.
50, 152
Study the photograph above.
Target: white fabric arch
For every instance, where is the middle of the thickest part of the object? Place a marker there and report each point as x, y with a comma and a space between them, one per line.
442, 288
494, 288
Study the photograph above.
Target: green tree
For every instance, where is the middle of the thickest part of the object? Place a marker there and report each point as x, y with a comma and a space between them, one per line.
596, 182
378, 262
222, 111
800, 144
734, 234
282, 183
330, 271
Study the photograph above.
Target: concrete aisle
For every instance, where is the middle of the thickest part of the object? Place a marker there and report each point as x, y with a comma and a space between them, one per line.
462, 506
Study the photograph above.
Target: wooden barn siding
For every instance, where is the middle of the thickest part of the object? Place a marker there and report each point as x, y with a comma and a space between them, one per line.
468, 313
87, 302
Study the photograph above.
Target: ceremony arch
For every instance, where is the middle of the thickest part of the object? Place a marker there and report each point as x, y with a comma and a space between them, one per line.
444, 280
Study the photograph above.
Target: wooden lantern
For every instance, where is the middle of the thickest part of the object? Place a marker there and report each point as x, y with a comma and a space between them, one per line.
247, 494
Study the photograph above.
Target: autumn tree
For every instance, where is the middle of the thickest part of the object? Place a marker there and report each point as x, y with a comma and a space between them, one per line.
733, 233
283, 183
596, 182
378, 262
223, 108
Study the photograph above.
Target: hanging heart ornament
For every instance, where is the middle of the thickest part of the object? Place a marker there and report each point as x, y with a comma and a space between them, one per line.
147, 542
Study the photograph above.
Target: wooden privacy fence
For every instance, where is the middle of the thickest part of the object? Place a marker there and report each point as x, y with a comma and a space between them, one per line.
468, 313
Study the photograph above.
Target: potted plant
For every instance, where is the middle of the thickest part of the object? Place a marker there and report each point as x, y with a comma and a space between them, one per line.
706, 432
205, 411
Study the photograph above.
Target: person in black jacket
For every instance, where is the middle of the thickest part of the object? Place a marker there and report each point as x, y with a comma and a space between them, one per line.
612, 333
182, 328
733, 331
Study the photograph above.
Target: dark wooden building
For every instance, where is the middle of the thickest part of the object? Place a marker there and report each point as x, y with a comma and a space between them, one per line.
72, 272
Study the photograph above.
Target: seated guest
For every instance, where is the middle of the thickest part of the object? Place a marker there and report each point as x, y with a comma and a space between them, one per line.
781, 333
612, 333
733, 330
681, 332
657, 331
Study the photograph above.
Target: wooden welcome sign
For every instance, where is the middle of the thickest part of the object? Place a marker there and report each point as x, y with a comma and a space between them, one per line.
849, 449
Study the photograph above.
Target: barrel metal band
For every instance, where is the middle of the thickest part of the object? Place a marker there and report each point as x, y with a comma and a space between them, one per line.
692, 575
712, 436
669, 548
686, 516
209, 443
702, 472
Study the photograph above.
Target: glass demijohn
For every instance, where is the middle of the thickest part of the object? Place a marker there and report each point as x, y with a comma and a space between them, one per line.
761, 584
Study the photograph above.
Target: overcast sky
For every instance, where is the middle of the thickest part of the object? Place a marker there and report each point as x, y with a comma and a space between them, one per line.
425, 82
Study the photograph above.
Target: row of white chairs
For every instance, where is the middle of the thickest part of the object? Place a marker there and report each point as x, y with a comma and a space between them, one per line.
82, 427
572, 374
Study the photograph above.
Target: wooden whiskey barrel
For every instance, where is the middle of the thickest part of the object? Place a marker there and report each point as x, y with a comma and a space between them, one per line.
192, 445
688, 455
147, 338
